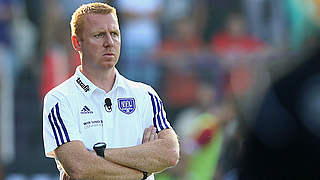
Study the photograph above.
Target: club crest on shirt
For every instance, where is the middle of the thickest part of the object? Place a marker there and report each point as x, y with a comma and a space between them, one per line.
126, 105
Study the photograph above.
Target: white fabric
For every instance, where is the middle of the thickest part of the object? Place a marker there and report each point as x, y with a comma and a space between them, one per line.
76, 111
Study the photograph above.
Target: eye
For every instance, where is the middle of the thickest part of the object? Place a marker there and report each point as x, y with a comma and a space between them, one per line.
100, 35
114, 34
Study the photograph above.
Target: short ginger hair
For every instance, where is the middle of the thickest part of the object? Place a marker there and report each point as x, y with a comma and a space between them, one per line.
76, 22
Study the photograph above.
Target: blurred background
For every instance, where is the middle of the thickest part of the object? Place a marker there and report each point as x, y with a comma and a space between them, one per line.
239, 80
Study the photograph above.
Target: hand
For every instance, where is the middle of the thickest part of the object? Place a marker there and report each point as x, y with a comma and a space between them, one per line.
150, 134
66, 176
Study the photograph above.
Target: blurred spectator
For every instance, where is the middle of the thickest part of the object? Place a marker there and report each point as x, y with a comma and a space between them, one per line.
201, 135
282, 139
237, 51
7, 106
6, 16
176, 10
24, 34
59, 58
55, 68
211, 15
206, 99
184, 41
140, 29
207, 15
267, 20
68, 7
193, 10
234, 44
34, 11
178, 55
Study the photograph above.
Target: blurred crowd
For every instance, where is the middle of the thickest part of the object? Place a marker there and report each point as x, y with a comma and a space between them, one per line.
212, 62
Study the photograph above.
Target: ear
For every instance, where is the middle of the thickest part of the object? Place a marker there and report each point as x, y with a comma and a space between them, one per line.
76, 43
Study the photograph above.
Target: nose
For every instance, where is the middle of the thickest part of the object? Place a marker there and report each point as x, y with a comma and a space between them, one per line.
108, 41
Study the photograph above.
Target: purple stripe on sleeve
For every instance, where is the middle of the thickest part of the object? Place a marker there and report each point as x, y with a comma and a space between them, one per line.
154, 112
54, 130
57, 125
162, 115
62, 124
158, 113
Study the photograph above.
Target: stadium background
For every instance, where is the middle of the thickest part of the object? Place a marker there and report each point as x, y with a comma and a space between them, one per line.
208, 59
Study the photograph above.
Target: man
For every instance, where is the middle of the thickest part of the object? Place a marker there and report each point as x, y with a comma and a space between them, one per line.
97, 104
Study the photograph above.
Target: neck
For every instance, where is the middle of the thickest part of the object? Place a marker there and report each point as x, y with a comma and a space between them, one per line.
103, 79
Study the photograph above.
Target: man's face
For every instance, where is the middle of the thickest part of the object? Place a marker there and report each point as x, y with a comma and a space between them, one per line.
100, 41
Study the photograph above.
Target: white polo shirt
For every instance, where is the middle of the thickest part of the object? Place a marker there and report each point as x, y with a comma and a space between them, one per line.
75, 110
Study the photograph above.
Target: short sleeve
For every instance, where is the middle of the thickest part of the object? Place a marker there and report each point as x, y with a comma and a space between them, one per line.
155, 113
59, 124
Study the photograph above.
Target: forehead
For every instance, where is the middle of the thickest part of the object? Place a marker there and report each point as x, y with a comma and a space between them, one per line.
101, 21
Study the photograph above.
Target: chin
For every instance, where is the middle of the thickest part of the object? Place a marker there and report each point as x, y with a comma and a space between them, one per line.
108, 65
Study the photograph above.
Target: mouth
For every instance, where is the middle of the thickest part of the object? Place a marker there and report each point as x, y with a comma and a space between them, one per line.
108, 54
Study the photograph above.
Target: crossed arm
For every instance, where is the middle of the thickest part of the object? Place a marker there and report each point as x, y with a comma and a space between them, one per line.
158, 152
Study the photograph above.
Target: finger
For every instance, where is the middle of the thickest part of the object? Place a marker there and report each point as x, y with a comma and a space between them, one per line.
66, 177
154, 130
151, 137
146, 135
153, 134
156, 136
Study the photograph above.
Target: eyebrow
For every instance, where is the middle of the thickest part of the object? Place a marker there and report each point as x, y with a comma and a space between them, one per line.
98, 32
104, 30
116, 30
